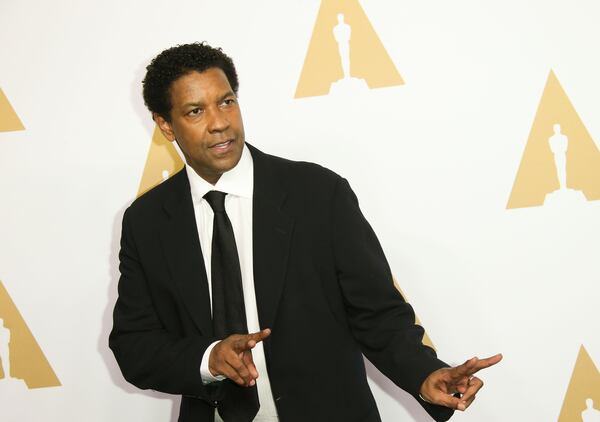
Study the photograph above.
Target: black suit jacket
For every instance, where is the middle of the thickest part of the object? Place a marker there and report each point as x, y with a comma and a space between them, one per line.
322, 285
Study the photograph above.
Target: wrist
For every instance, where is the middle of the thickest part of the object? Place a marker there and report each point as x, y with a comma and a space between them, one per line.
207, 367
424, 399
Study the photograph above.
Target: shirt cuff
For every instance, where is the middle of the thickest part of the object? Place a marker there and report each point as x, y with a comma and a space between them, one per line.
207, 377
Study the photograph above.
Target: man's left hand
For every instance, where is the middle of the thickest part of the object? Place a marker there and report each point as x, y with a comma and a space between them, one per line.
441, 386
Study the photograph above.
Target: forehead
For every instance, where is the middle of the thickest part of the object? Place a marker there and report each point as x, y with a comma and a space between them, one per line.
199, 86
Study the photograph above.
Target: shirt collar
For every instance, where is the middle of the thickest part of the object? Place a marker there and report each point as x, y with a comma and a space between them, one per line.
239, 181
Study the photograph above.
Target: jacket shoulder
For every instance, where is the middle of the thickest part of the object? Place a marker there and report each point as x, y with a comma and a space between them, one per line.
302, 173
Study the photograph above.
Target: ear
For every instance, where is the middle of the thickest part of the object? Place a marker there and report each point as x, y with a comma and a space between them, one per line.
164, 126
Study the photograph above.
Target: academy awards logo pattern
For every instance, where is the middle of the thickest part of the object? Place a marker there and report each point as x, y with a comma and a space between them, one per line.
22, 362
582, 400
162, 162
561, 162
345, 54
9, 121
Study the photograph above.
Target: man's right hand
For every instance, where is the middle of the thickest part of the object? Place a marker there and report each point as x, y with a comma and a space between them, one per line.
232, 357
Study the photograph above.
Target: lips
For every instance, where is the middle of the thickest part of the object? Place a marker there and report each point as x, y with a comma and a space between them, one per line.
222, 146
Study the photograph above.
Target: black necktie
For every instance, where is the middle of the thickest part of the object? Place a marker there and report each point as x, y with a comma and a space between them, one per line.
240, 404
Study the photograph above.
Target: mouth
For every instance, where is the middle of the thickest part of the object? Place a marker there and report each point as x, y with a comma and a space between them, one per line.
222, 146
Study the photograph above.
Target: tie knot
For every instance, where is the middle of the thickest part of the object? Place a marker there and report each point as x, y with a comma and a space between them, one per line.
216, 200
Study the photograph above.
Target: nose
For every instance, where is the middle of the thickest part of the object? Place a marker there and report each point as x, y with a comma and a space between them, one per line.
218, 121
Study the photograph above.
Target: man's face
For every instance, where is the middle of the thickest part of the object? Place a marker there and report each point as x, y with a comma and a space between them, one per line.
206, 122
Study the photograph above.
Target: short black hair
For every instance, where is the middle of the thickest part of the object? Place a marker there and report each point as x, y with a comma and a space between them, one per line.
177, 61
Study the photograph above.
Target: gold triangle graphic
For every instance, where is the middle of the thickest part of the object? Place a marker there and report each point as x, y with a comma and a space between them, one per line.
368, 58
21, 355
538, 177
426, 340
9, 121
163, 161
582, 399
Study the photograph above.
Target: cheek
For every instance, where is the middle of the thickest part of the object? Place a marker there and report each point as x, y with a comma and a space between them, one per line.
194, 138
239, 125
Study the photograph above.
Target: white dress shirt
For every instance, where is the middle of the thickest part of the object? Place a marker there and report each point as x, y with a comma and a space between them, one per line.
238, 183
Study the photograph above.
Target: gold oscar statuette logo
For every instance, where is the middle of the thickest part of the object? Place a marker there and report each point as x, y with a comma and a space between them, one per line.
22, 361
344, 53
582, 400
9, 121
162, 162
561, 162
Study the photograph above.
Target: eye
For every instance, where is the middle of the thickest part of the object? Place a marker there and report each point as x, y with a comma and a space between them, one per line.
195, 112
228, 101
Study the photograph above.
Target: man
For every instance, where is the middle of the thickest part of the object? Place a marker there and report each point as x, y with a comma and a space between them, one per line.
253, 284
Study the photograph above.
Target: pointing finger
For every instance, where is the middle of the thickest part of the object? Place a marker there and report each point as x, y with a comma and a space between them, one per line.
252, 339
260, 335
473, 365
464, 370
492, 360
486, 363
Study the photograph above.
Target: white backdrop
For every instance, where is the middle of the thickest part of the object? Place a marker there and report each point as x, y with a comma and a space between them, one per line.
432, 161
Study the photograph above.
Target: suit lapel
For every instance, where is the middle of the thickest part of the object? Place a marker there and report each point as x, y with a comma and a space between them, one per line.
179, 236
271, 233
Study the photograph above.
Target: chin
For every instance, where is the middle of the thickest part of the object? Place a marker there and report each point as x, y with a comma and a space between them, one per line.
227, 164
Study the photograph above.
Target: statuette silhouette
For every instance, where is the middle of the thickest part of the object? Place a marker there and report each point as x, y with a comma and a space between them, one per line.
590, 414
342, 32
559, 144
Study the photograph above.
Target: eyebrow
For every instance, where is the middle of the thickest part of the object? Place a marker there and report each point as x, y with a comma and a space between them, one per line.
221, 98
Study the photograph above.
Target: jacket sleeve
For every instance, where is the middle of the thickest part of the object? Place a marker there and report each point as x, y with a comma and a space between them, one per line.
150, 356
382, 322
